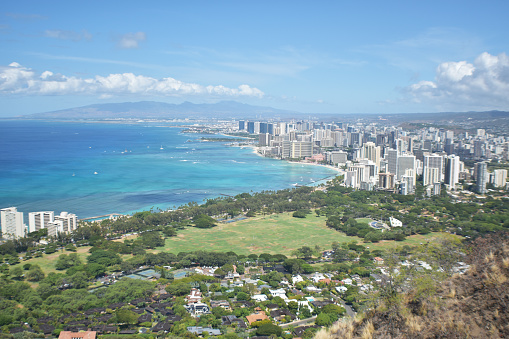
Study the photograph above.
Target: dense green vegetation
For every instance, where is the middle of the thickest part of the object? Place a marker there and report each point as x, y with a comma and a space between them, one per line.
289, 228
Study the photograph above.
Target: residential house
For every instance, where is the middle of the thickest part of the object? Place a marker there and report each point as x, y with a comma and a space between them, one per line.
194, 297
162, 326
258, 316
77, 335
259, 297
220, 303
281, 314
316, 277
280, 292
232, 320
198, 330
197, 309
297, 279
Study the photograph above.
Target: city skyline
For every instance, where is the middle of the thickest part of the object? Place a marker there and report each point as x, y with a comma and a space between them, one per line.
324, 57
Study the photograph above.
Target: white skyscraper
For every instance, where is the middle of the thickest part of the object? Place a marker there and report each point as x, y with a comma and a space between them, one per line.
69, 221
39, 220
434, 161
12, 223
499, 177
371, 152
430, 176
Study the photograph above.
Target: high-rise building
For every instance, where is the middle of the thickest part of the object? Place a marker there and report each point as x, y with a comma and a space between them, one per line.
481, 176
430, 176
270, 129
296, 149
371, 152
69, 221
257, 127
499, 177
250, 127
12, 223
263, 127
337, 157
405, 162
400, 146
392, 161
479, 149
242, 125
63, 223
264, 139
39, 220
434, 161
452, 171
386, 180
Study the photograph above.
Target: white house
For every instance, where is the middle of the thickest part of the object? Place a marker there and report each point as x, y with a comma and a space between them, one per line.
347, 281
395, 222
280, 292
260, 297
297, 279
341, 289
316, 277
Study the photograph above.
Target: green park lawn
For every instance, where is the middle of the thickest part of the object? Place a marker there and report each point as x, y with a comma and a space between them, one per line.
274, 234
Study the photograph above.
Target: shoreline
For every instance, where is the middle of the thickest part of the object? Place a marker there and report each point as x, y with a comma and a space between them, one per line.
303, 162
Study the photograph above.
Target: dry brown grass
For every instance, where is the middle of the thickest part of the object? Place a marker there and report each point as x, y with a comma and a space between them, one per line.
470, 305
368, 331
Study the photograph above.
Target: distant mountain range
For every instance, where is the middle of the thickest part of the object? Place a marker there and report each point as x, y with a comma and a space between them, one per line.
161, 110
233, 109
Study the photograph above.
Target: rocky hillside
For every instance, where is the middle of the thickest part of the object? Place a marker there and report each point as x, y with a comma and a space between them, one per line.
472, 305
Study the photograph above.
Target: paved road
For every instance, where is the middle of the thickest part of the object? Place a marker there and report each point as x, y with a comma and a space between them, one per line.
300, 322
348, 309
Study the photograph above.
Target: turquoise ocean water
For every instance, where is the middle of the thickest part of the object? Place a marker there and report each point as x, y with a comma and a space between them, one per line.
92, 169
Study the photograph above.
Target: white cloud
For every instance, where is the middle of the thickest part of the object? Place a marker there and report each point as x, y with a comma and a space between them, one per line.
483, 84
16, 79
131, 40
68, 35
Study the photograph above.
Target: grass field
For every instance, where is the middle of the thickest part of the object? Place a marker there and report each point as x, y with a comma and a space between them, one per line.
47, 261
277, 233
364, 220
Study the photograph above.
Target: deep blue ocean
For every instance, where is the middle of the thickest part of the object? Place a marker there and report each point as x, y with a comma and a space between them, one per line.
92, 169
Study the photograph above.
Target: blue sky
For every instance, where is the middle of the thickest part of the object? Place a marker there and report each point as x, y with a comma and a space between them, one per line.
307, 56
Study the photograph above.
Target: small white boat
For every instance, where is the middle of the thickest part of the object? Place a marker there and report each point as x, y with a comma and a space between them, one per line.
96, 173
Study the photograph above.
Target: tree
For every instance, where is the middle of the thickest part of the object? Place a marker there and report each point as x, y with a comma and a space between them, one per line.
95, 270
204, 221
373, 236
268, 329
102, 257
178, 288
305, 252
17, 273
301, 213
125, 316
79, 280
323, 319
35, 273
242, 296
293, 306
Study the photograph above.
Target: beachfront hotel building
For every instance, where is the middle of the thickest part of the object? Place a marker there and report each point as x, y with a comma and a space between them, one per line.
39, 220
55, 224
12, 223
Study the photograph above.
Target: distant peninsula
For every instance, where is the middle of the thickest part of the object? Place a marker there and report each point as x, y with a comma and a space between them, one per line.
145, 110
